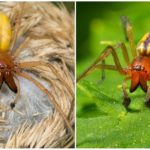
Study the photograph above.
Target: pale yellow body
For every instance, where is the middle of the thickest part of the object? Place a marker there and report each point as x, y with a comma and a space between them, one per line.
143, 47
5, 32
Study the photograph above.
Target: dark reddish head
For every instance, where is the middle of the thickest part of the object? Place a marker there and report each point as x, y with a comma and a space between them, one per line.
6, 71
140, 70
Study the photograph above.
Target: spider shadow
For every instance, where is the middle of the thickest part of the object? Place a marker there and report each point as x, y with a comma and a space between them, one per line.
133, 110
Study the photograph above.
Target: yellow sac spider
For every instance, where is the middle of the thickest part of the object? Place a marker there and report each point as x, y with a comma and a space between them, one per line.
10, 68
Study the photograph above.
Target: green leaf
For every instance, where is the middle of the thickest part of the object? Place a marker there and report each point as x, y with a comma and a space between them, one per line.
102, 121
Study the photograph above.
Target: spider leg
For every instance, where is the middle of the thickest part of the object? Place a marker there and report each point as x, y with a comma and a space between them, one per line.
17, 27
69, 140
53, 85
51, 97
129, 34
102, 73
126, 98
124, 52
147, 99
125, 56
107, 51
13, 103
24, 65
103, 67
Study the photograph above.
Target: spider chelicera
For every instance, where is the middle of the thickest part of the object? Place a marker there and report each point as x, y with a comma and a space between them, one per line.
138, 71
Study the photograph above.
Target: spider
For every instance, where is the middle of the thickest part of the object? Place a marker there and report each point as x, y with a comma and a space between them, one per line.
137, 71
10, 68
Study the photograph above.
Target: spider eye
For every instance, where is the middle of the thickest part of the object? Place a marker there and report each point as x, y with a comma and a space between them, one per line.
6, 32
2, 66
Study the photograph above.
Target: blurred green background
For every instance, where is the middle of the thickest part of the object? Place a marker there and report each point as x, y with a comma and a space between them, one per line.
102, 121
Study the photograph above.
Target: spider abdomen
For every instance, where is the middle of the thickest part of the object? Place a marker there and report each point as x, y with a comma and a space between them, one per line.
143, 47
5, 32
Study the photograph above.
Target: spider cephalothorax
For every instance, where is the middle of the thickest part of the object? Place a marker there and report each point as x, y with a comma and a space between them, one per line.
7, 69
140, 73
